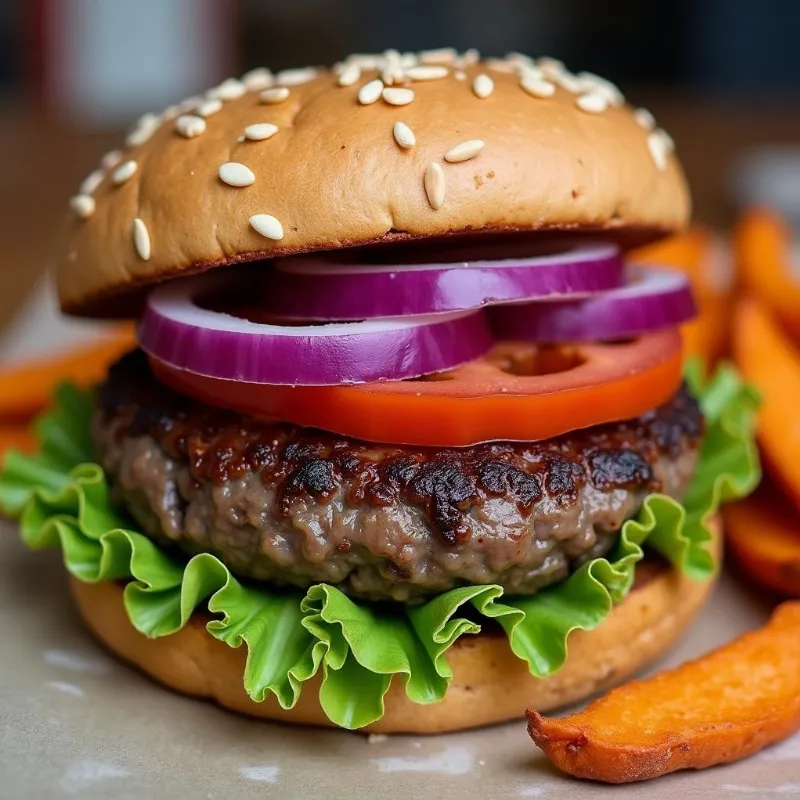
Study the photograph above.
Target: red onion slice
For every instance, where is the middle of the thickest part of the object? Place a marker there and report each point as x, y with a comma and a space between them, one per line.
178, 331
325, 288
652, 299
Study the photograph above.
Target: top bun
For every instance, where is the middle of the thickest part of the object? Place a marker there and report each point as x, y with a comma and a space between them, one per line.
352, 163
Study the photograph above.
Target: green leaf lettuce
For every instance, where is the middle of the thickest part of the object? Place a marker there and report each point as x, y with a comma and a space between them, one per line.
62, 499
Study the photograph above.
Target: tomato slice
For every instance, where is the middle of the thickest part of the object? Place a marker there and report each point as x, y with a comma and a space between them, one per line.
520, 391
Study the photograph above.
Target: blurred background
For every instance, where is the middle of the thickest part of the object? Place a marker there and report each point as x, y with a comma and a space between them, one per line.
722, 76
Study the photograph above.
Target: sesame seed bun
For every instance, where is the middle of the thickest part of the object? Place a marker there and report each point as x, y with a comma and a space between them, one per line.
490, 684
211, 183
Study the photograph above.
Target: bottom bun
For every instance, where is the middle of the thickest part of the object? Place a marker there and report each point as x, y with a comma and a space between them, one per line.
490, 684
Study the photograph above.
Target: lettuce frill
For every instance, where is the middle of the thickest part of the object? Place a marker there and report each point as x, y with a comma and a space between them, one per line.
62, 499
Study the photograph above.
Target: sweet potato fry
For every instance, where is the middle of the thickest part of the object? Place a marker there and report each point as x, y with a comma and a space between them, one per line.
763, 255
722, 707
767, 359
26, 389
16, 437
763, 535
707, 334
697, 252
684, 251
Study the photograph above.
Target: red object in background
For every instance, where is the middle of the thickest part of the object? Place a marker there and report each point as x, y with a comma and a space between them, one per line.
100, 61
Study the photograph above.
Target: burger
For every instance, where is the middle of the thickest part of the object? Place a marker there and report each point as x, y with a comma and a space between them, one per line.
405, 446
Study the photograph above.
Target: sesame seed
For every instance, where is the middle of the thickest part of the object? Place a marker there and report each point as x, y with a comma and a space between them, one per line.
644, 118
460, 75
111, 159
464, 151
267, 226
551, 64
141, 239
91, 182
441, 55
592, 103
529, 71
468, 58
295, 77
235, 174
483, 85
520, 59
594, 83
365, 60
499, 65
433, 181
393, 75
370, 92
550, 71
537, 87
139, 136
124, 172
209, 107
368, 60
614, 96
403, 135
658, 149
190, 125
189, 104
83, 205
240, 139
392, 68
257, 79
231, 89
273, 96
260, 131
396, 77
668, 140
568, 82
143, 131
169, 113
398, 97
408, 60
431, 72
349, 75
146, 120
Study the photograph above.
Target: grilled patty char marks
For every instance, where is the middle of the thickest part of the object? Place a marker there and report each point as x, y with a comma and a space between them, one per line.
292, 505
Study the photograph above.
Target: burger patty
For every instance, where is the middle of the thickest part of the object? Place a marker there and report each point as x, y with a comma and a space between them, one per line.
291, 505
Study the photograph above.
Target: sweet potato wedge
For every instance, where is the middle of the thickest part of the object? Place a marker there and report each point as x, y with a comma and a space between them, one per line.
767, 359
698, 253
762, 246
722, 707
763, 536
26, 389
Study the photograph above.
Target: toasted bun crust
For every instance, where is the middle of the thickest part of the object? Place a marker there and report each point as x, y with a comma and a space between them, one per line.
333, 175
490, 684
